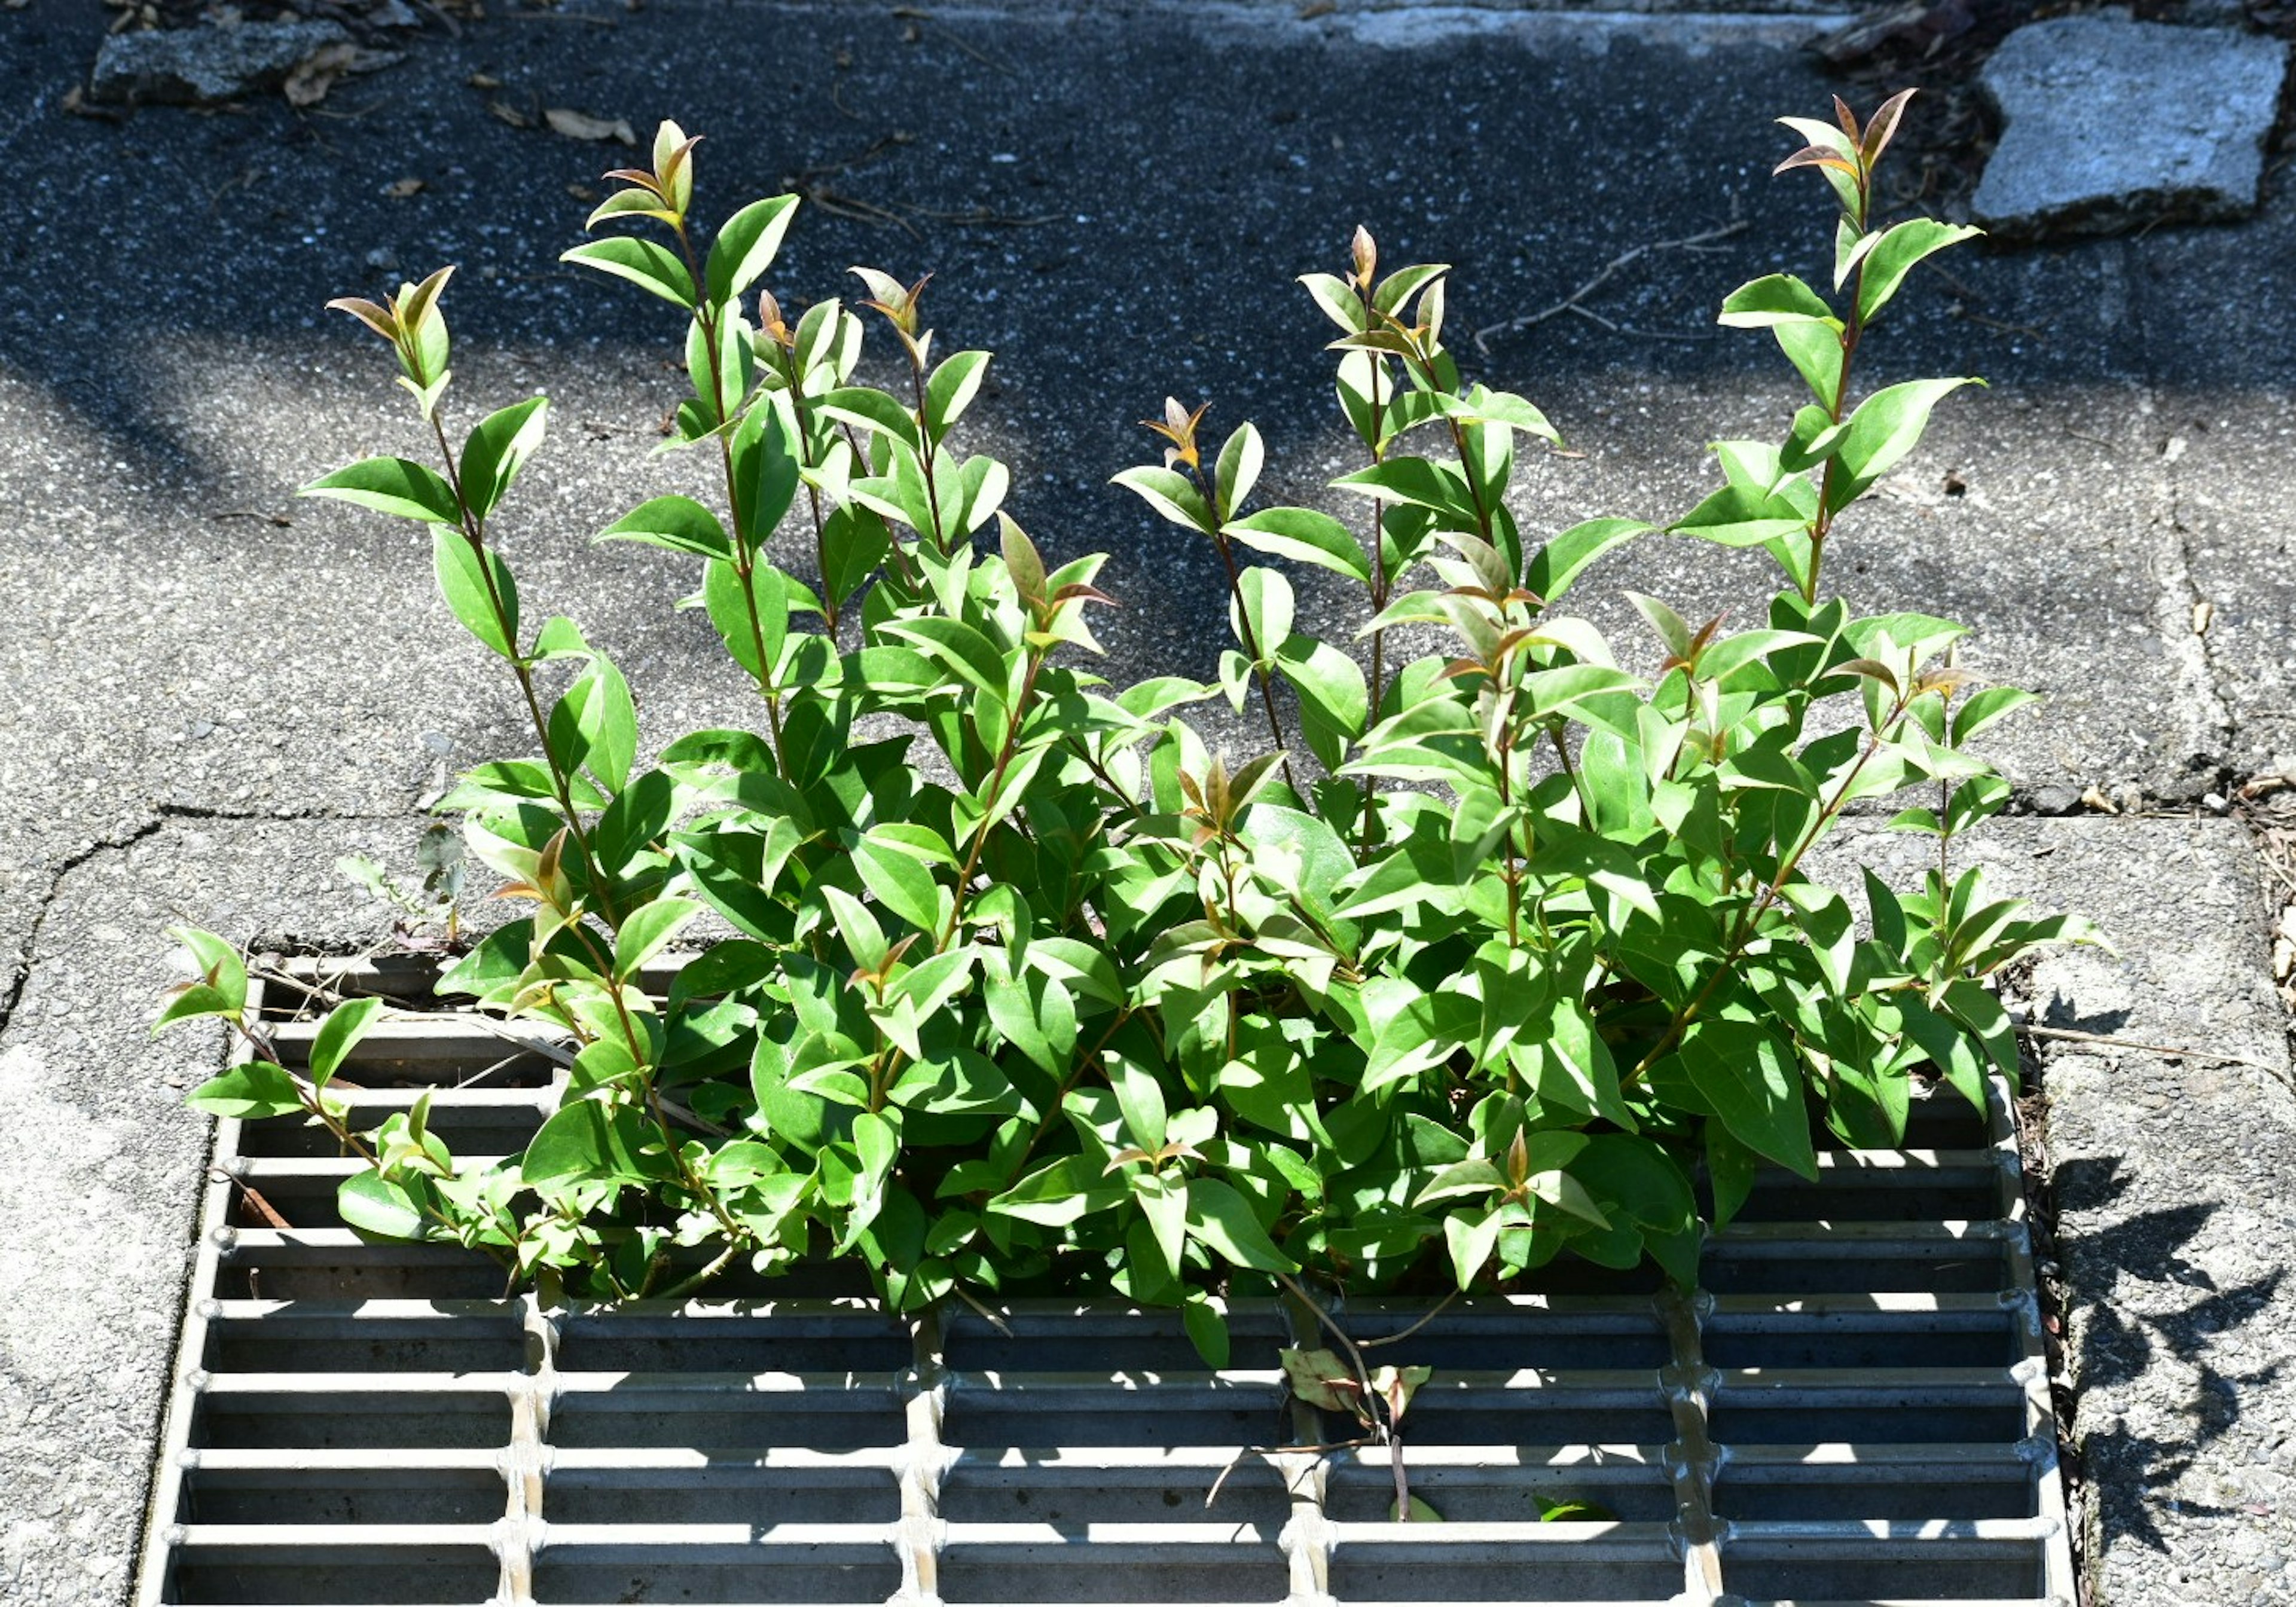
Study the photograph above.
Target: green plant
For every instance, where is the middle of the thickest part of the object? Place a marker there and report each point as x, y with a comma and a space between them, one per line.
1482, 961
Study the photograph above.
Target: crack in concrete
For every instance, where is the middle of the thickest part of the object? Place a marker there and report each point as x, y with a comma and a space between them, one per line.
19, 969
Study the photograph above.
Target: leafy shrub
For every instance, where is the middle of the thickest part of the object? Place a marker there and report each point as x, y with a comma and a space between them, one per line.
1482, 960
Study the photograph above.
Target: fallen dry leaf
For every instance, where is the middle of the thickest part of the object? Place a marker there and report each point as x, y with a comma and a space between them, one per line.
2094, 798
504, 111
400, 189
582, 192
483, 80
1317, 8
581, 126
317, 73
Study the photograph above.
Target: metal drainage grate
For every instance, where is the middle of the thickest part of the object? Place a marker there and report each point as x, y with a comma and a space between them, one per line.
1853, 1408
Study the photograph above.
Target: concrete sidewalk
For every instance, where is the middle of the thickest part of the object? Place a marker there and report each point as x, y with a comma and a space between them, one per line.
216, 690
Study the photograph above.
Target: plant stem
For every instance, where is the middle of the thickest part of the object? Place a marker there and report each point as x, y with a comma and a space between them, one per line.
1369, 837
803, 447
1749, 927
1822, 526
1250, 636
988, 801
474, 532
706, 315
930, 454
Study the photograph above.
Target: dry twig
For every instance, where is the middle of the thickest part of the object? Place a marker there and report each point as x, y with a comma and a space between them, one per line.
1575, 302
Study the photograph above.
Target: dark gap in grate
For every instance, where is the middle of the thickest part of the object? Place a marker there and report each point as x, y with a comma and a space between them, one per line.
1502, 1492
1964, 1194
683, 1415
447, 1418
1547, 1570
722, 1492
640, 1343
245, 1576
1067, 1569
1865, 1340
468, 1129
1866, 1268
978, 1491
1914, 1570
597, 1574
993, 1419
380, 1493
278, 1340
1872, 1417
1952, 1487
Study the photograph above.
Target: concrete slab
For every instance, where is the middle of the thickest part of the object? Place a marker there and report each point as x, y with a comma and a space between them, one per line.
2110, 124
105, 1187
2224, 371
2172, 1183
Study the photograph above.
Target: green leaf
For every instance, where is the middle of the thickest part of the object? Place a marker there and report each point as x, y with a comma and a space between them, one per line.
1207, 1329
1776, 298
745, 246
958, 645
249, 1091
765, 474
1059, 1194
1754, 1084
648, 930
1814, 350
1171, 494
874, 410
464, 575
1983, 708
951, 390
1415, 481
752, 620
392, 485
1305, 536
864, 940
373, 1204
498, 448
222, 987
1223, 1220
1237, 468
642, 262
345, 1024
678, 524
1140, 1095
1892, 257
1739, 516
1554, 566
1471, 1239
1263, 601
596, 724
899, 882
589, 1142
1886, 426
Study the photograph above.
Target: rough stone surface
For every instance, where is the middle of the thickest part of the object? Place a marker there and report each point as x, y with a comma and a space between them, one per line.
201, 65
2110, 124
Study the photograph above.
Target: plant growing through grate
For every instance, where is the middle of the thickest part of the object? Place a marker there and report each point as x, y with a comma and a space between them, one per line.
1496, 974
1850, 1406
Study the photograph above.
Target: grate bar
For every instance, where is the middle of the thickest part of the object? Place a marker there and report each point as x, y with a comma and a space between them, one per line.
811, 1448
924, 1460
1687, 1384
